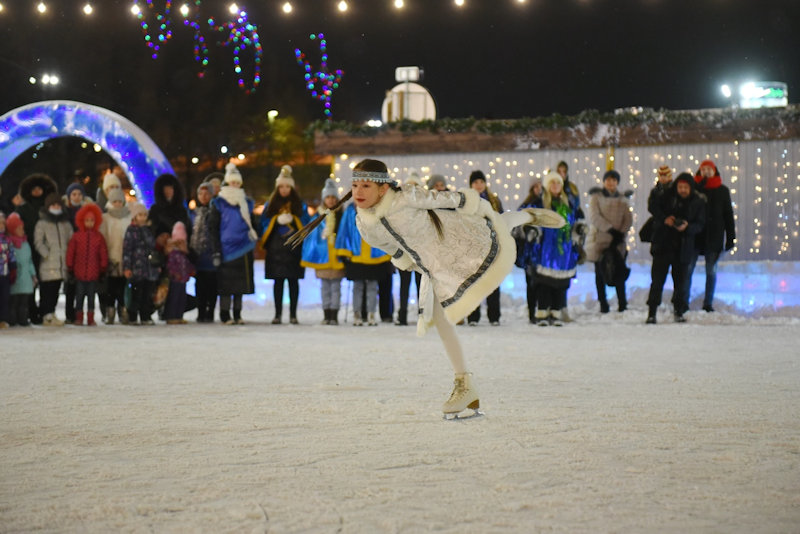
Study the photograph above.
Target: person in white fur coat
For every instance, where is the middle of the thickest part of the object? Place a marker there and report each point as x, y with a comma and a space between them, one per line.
462, 247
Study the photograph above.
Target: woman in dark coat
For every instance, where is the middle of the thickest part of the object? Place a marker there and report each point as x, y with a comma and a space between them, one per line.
33, 190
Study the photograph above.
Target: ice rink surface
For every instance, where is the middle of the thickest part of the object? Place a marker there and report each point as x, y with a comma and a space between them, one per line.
604, 425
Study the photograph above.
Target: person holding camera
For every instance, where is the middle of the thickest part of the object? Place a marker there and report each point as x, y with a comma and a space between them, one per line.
678, 216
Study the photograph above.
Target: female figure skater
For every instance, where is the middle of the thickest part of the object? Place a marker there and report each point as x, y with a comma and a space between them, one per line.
462, 247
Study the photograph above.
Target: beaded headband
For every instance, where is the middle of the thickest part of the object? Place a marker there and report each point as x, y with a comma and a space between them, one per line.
373, 176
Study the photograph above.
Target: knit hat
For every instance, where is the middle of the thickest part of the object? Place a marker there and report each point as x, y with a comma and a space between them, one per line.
476, 175
285, 177
179, 232
73, 186
685, 177
110, 180
611, 174
136, 208
13, 222
116, 194
232, 174
436, 179
552, 176
329, 190
207, 186
708, 163
51, 198
664, 170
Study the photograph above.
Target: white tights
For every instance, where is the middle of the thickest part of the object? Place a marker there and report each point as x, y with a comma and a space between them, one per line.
447, 332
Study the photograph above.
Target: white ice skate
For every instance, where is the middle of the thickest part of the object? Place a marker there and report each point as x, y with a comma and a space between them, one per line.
464, 397
545, 218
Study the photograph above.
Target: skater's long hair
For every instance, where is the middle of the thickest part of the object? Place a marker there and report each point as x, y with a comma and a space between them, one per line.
374, 165
276, 203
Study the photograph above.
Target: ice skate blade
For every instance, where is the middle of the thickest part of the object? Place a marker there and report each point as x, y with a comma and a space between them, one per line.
463, 416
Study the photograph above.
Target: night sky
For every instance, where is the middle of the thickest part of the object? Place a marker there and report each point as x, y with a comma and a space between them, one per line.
489, 59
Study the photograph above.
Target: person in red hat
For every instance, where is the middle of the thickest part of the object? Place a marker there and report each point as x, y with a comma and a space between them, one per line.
720, 229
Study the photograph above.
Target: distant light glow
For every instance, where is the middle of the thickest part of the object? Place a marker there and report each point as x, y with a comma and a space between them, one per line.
97, 148
32, 80
241, 157
88, 9
459, 3
287, 8
223, 149
342, 6
233, 9
195, 160
136, 10
374, 123
185, 10
399, 4
41, 8
2, 7
726, 90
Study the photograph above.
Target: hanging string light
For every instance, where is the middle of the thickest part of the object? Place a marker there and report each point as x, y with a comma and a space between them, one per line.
162, 25
322, 83
243, 35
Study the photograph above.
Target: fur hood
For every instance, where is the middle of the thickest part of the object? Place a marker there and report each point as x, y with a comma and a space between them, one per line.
87, 209
158, 190
47, 184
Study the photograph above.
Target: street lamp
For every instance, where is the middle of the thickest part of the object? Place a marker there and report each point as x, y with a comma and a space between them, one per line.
271, 116
726, 90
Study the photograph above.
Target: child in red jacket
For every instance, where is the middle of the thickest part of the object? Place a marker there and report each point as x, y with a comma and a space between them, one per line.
87, 260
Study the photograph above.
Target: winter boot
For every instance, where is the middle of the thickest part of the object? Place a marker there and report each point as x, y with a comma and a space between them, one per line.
237, 316
334, 317
604, 306
371, 319
464, 395
110, 314
327, 319
555, 318
651, 315
123, 315
225, 317
541, 317
90, 319
51, 320
78, 318
357, 321
402, 318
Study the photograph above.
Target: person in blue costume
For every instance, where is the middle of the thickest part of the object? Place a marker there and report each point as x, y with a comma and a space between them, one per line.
283, 215
364, 265
233, 242
554, 252
319, 253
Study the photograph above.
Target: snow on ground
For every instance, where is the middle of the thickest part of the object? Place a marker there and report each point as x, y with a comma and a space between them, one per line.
604, 425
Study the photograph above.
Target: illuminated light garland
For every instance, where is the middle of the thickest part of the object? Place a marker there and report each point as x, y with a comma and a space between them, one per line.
243, 35
162, 19
200, 49
322, 83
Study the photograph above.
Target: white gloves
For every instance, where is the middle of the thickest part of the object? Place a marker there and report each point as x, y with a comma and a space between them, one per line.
285, 218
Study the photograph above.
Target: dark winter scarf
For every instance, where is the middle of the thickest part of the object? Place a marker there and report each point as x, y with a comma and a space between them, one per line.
201, 241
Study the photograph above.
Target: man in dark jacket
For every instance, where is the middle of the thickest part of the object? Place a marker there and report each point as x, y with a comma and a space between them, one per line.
720, 229
678, 216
